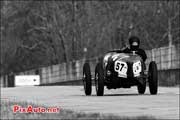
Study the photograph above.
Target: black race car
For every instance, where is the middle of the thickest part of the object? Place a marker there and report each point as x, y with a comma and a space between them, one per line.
121, 70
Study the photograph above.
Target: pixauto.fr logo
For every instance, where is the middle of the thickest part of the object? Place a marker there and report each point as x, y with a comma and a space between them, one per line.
31, 109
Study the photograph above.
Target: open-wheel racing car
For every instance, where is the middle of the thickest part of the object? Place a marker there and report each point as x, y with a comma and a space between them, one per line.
121, 70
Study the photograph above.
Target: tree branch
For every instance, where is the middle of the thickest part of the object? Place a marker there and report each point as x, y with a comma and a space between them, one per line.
163, 37
30, 48
63, 46
174, 17
37, 28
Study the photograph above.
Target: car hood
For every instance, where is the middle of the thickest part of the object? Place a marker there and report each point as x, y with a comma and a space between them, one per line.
126, 57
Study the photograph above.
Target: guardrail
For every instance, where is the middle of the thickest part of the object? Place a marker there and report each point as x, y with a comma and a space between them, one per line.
167, 59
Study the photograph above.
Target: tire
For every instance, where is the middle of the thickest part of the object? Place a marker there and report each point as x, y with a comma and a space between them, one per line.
141, 87
99, 80
87, 79
153, 78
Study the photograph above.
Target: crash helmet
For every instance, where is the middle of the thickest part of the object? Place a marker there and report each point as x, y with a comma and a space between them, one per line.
134, 42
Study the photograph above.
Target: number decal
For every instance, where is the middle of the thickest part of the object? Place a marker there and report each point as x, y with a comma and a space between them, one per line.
120, 67
137, 68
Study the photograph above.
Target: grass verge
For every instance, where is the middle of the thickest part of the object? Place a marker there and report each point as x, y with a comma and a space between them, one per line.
6, 108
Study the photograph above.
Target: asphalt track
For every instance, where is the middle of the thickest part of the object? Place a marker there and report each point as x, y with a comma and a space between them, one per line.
122, 102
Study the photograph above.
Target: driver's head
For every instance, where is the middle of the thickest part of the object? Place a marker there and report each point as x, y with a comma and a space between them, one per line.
134, 42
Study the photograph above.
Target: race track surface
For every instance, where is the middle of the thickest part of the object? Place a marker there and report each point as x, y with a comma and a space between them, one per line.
122, 102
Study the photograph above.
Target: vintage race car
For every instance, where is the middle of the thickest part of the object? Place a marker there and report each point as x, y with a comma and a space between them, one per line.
121, 70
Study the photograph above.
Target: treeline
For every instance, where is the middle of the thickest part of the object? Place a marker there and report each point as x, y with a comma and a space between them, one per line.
39, 33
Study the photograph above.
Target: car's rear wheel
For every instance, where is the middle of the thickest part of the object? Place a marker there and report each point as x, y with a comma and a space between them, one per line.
141, 87
153, 78
99, 80
87, 79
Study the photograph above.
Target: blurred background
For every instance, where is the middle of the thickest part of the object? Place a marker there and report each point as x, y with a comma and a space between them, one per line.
43, 33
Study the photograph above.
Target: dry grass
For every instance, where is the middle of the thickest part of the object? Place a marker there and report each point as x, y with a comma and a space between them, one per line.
7, 113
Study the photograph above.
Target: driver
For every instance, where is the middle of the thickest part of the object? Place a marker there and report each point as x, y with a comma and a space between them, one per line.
134, 43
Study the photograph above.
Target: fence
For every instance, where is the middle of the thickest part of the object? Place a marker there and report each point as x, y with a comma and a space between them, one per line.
167, 59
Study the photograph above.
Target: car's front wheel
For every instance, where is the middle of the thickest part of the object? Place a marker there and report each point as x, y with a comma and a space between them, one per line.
153, 78
99, 80
87, 79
